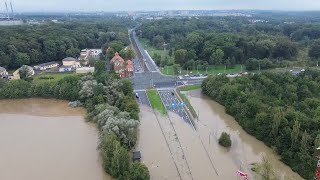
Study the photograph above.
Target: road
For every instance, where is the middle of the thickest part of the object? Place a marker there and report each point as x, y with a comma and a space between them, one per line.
172, 103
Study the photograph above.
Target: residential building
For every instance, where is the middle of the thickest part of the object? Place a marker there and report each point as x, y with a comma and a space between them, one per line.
3, 72
129, 68
121, 67
69, 61
66, 69
45, 66
85, 70
86, 54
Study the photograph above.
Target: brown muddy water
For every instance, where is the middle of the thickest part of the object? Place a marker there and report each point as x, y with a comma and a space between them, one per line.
172, 149
45, 139
245, 149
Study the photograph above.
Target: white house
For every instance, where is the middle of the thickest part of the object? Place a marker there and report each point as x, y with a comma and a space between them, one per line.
65, 68
45, 66
3, 72
69, 61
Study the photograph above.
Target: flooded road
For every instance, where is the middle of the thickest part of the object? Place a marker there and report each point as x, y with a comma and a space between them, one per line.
45, 139
245, 148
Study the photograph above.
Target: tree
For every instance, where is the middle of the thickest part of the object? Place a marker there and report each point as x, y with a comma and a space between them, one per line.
158, 41
317, 141
22, 59
130, 53
304, 146
138, 171
180, 56
73, 52
110, 53
277, 117
4, 60
25, 72
314, 50
265, 170
217, 57
100, 66
225, 140
117, 45
120, 162
295, 133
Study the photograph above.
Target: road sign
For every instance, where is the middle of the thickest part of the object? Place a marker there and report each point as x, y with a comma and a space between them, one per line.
182, 104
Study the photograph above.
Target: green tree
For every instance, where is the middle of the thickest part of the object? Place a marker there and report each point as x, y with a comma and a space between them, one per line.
180, 56
117, 45
295, 133
120, 162
100, 66
317, 141
217, 57
304, 145
73, 52
138, 171
225, 140
22, 59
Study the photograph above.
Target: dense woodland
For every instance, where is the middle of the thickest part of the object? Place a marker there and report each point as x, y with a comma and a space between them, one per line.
280, 42
33, 44
282, 110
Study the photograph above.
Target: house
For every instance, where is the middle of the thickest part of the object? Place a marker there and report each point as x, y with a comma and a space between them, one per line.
129, 68
45, 66
86, 54
66, 69
118, 65
69, 61
85, 70
3, 72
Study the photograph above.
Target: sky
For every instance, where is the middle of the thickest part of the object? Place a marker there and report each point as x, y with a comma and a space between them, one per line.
150, 5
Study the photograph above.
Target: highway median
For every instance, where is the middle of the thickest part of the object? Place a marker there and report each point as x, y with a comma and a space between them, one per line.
156, 102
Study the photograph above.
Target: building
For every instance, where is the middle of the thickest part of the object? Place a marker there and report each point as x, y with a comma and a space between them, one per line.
118, 65
66, 69
129, 68
3, 72
45, 66
69, 61
85, 70
86, 54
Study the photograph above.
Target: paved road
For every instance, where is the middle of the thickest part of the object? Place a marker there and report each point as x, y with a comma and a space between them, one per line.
143, 98
172, 103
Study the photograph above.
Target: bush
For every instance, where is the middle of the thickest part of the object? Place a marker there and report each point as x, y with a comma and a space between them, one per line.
225, 140
139, 171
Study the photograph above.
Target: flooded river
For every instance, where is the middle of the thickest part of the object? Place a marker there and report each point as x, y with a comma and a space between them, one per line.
172, 149
45, 139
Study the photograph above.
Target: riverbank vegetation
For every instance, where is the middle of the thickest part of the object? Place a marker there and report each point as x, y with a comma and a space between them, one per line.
280, 109
156, 101
109, 103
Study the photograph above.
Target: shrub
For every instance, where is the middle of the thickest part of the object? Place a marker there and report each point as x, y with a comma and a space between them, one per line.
225, 140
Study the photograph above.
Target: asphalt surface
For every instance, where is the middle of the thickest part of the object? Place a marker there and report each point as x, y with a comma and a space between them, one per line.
172, 103
143, 98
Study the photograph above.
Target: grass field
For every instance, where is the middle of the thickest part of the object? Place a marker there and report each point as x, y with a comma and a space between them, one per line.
188, 104
167, 70
190, 87
151, 50
156, 102
51, 77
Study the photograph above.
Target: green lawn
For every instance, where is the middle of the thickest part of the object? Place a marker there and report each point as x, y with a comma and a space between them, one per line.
156, 102
167, 70
151, 50
190, 87
51, 77
186, 100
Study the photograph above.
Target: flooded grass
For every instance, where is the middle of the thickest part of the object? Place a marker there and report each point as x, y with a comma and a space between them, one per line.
190, 87
156, 102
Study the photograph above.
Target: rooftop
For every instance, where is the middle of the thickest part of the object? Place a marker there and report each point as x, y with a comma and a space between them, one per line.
46, 64
2, 69
69, 59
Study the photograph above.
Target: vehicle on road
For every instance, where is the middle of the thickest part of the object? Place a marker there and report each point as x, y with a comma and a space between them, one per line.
187, 75
172, 93
137, 95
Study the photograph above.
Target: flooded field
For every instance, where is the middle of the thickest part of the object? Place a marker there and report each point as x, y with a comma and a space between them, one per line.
45, 139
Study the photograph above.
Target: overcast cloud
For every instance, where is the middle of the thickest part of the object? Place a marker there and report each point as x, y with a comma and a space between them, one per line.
134, 5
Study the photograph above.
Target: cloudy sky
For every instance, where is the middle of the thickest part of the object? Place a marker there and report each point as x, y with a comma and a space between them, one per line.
133, 5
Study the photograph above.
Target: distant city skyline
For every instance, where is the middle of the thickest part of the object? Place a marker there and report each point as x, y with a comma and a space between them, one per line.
157, 5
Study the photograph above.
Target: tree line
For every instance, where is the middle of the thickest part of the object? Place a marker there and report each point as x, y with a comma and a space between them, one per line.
109, 102
235, 40
34, 44
282, 110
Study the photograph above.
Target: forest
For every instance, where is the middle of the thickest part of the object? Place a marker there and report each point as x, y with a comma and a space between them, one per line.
265, 43
34, 44
280, 109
